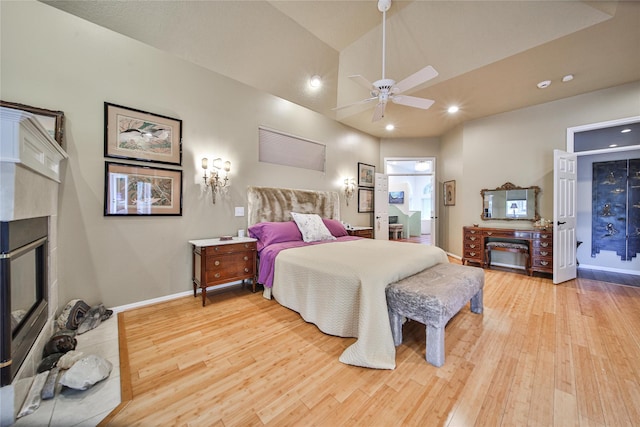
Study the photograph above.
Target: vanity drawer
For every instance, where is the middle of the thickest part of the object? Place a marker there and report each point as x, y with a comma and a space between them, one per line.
542, 264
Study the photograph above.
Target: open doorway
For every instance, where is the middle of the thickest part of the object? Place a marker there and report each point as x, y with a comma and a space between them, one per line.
412, 196
597, 145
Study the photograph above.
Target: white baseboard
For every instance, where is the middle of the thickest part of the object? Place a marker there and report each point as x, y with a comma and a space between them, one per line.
165, 298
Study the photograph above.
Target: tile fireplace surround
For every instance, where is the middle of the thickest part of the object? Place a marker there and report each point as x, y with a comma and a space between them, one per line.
30, 175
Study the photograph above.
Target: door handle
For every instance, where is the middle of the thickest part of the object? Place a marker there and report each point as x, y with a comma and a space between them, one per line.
562, 223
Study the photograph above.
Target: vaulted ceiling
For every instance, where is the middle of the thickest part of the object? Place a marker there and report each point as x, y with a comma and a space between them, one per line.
489, 54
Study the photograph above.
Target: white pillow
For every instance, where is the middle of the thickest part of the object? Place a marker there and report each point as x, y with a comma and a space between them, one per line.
312, 227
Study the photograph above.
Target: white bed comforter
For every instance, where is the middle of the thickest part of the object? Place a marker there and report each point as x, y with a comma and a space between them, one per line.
340, 287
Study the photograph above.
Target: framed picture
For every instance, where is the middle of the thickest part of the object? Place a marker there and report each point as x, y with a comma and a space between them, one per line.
365, 200
52, 121
138, 135
449, 193
141, 190
366, 175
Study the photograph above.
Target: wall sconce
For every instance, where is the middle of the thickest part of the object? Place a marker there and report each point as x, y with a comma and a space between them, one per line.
349, 189
216, 181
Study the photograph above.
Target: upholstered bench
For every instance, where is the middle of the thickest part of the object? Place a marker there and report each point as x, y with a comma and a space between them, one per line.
432, 297
507, 246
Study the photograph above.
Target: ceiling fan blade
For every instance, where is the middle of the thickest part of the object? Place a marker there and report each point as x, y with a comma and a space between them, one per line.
363, 82
412, 101
364, 101
415, 79
378, 113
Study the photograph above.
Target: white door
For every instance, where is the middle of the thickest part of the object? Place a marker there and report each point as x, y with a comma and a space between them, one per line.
381, 207
564, 216
434, 211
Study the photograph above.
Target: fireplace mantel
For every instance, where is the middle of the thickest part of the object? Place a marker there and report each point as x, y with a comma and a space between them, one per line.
29, 160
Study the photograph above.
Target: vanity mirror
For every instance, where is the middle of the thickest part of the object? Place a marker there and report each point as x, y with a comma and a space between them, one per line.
510, 202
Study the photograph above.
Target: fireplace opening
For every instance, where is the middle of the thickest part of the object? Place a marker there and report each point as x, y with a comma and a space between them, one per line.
23, 290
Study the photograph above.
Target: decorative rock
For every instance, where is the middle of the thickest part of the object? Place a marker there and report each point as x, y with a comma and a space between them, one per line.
86, 372
72, 314
49, 389
68, 359
49, 362
32, 402
93, 318
59, 344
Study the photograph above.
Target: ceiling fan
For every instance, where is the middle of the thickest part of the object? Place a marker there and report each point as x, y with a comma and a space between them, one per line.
385, 89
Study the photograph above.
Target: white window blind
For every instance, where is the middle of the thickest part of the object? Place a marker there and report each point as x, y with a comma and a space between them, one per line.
288, 150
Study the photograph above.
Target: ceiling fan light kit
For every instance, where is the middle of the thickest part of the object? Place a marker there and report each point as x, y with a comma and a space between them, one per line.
386, 89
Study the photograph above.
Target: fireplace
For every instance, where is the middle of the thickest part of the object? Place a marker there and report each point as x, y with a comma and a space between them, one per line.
30, 161
23, 287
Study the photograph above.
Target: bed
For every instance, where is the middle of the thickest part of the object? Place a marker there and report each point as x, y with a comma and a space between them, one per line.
337, 281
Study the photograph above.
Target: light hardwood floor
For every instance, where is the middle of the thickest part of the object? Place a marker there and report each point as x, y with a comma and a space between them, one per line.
541, 355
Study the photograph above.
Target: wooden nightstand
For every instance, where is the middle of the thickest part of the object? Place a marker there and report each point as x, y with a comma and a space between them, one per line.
361, 232
217, 262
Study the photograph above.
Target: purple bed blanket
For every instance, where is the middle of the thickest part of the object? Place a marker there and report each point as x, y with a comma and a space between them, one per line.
268, 254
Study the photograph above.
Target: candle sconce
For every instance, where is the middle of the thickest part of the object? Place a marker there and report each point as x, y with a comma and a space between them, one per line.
216, 181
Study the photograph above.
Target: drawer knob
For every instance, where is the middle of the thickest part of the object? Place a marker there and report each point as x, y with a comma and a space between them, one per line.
217, 262
545, 263
472, 246
472, 231
472, 238
246, 258
217, 275
246, 270
216, 248
489, 233
544, 244
544, 253
472, 253
246, 245
544, 236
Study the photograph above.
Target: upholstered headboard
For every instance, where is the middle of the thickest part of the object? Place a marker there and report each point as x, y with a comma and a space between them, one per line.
276, 204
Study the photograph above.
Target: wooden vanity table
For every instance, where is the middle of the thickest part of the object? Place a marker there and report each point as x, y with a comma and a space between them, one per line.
540, 241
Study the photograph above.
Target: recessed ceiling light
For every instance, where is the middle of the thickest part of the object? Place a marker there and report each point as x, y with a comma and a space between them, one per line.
627, 130
453, 109
389, 127
567, 78
315, 81
544, 84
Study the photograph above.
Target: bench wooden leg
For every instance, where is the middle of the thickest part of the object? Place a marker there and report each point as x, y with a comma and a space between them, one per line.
477, 304
435, 346
396, 327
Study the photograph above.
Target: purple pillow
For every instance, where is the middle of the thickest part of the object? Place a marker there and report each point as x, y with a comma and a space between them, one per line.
268, 233
335, 227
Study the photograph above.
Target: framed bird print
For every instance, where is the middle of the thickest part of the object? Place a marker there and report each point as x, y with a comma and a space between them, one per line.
140, 135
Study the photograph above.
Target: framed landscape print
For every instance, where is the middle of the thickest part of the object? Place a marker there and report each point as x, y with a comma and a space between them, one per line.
366, 175
141, 190
139, 135
365, 200
52, 121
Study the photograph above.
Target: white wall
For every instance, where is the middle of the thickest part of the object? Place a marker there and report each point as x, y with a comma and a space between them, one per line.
54, 60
